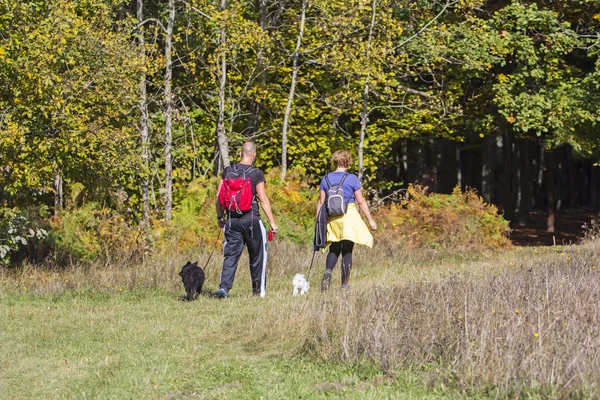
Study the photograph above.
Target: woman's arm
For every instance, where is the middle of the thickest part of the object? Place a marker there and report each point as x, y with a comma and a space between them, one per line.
362, 203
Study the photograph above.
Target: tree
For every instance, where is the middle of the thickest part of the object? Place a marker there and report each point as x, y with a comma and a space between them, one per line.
68, 82
288, 108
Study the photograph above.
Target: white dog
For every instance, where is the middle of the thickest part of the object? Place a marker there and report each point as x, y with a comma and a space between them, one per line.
301, 285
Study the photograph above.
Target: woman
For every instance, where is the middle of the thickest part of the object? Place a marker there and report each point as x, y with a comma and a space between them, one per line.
345, 230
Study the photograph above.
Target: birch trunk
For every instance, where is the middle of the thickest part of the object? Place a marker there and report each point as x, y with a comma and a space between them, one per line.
222, 140
169, 114
365, 112
256, 107
288, 108
144, 121
58, 191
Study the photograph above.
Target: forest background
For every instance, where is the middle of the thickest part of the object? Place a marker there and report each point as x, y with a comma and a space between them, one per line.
116, 116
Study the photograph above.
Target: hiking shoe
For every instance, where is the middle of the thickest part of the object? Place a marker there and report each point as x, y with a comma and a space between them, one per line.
326, 281
345, 286
222, 294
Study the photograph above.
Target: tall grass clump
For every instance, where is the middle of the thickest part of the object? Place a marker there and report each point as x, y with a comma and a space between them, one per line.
461, 220
533, 327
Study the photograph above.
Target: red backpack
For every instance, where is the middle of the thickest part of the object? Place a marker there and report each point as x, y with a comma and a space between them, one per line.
236, 190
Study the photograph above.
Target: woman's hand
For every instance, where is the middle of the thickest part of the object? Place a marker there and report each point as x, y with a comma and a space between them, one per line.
373, 225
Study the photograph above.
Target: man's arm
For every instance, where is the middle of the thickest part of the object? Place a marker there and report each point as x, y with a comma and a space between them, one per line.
261, 193
219, 207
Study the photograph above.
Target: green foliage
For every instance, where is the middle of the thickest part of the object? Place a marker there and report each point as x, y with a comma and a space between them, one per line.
91, 232
69, 82
16, 231
294, 204
458, 220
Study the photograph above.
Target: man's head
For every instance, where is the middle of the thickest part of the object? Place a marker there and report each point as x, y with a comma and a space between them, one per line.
248, 152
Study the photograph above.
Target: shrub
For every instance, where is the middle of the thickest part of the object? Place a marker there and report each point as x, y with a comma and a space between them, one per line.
16, 232
459, 220
91, 232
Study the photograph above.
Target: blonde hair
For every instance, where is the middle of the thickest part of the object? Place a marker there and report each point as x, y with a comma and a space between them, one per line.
341, 158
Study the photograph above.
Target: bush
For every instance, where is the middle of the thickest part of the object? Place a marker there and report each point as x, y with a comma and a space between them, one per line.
459, 220
16, 232
91, 232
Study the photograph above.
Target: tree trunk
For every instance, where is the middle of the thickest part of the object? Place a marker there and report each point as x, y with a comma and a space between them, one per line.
572, 178
365, 112
255, 107
144, 122
459, 179
550, 190
58, 191
541, 167
487, 163
169, 114
435, 157
594, 195
221, 139
507, 181
525, 180
288, 108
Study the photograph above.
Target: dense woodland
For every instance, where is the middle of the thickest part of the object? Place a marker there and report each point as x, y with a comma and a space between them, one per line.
126, 103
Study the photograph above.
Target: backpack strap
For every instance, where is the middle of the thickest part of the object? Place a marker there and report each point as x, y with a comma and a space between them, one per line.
327, 180
343, 179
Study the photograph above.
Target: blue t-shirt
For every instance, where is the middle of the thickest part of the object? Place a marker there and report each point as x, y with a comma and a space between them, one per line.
351, 184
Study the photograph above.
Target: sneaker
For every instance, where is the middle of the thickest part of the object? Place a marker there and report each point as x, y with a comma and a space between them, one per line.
345, 286
222, 294
326, 281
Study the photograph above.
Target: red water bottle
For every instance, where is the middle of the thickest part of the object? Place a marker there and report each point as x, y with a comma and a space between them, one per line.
270, 237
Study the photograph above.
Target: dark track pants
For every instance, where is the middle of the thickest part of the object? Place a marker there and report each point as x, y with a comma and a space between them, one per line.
250, 233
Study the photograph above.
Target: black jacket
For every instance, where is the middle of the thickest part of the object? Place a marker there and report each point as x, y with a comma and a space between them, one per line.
320, 240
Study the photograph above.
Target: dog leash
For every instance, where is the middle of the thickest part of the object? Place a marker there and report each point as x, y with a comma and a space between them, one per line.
311, 264
213, 250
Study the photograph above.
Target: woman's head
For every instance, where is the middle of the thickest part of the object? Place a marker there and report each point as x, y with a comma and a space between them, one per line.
341, 159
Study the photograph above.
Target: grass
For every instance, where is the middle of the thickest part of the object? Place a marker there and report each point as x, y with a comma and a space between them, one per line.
120, 331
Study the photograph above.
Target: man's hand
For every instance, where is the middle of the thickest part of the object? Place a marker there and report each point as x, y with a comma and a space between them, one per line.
274, 227
221, 223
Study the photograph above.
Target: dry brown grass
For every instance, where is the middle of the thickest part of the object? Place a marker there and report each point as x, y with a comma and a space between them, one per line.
533, 325
518, 321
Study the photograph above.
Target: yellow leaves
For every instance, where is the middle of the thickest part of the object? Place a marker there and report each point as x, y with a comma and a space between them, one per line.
511, 119
2, 51
597, 17
502, 78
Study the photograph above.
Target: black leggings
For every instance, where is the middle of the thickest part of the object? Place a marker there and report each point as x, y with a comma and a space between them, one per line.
345, 248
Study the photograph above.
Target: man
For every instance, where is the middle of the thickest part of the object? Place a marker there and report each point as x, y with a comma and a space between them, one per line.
244, 228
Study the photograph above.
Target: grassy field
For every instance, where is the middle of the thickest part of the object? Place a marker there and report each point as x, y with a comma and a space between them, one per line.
121, 331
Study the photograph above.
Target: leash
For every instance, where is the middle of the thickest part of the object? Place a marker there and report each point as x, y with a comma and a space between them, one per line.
213, 249
311, 264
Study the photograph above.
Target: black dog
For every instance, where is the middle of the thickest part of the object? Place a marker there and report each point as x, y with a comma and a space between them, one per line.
193, 279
